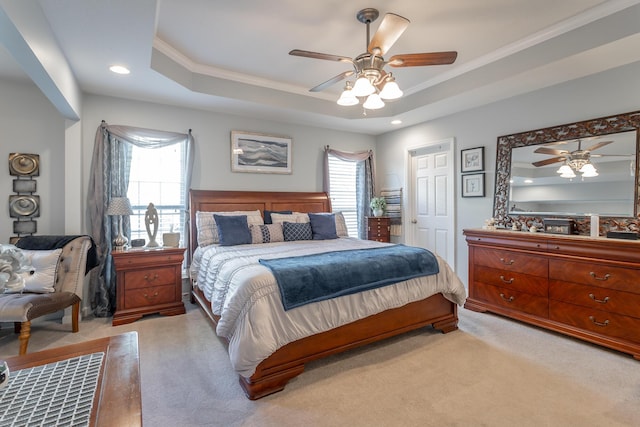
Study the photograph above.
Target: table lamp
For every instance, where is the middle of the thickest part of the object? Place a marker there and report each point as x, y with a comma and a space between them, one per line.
119, 206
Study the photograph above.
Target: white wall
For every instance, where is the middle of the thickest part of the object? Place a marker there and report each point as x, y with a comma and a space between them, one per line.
30, 124
612, 92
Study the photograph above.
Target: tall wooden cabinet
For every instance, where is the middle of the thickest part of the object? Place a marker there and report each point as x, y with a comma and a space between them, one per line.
588, 288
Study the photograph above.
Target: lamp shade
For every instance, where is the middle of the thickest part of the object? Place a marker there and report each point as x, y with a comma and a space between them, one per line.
119, 206
373, 102
390, 90
363, 87
348, 98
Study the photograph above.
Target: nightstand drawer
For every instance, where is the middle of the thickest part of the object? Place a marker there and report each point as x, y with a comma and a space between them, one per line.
152, 277
146, 297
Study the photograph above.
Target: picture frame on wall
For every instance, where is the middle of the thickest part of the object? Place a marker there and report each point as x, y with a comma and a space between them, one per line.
473, 185
260, 153
472, 160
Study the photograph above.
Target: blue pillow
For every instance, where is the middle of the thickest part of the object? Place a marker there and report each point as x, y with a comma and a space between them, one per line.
323, 226
296, 231
267, 215
232, 229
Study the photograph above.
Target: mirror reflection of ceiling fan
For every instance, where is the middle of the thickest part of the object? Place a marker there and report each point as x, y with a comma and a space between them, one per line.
372, 81
576, 156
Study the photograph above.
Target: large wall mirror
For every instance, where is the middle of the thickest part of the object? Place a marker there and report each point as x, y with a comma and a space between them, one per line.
573, 170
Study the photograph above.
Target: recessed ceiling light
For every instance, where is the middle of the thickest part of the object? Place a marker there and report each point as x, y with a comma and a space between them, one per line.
119, 69
528, 181
396, 122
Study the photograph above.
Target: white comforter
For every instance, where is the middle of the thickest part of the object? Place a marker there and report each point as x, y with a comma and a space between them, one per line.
245, 295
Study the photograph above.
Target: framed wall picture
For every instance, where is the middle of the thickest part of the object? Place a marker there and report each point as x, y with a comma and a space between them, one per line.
260, 153
473, 185
473, 160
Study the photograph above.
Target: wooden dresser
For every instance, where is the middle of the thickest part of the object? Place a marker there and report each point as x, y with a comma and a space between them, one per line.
379, 228
588, 288
148, 281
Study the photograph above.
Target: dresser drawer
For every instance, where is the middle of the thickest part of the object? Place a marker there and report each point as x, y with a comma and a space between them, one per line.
598, 321
152, 277
149, 296
511, 261
623, 279
595, 297
511, 299
535, 285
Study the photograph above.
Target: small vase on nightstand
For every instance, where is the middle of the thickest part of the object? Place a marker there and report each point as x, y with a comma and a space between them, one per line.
377, 212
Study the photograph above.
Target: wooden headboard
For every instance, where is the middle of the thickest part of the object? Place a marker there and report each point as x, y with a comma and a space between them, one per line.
221, 201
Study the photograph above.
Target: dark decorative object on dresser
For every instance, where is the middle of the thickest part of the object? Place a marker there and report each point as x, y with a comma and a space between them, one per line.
576, 285
379, 228
148, 281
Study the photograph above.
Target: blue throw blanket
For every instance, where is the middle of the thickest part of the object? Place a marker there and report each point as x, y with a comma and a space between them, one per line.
310, 278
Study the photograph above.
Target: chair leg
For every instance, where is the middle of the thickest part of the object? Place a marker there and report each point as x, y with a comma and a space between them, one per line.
75, 314
25, 334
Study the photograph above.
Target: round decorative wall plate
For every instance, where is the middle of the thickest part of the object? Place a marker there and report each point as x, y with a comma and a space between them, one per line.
24, 206
24, 164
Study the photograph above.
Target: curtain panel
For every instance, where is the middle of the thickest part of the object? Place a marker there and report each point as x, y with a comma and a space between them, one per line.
109, 177
365, 179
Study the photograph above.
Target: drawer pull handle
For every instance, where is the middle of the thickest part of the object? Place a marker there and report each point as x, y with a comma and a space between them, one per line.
151, 297
505, 262
148, 279
595, 322
601, 301
505, 280
605, 277
510, 299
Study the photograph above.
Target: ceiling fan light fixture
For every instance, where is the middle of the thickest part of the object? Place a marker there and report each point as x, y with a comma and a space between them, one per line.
569, 174
391, 90
363, 87
565, 169
373, 102
588, 170
347, 98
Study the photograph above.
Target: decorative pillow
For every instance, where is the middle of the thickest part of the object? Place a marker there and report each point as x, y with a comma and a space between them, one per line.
294, 217
296, 231
267, 215
341, 225
206, 225
323, 226
232, 229
41, 277
267, 233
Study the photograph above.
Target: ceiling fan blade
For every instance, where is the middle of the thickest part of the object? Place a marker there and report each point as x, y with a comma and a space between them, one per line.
548, 161
389, 31
598, 145
336, 79
545, 150
317, 55
421, 59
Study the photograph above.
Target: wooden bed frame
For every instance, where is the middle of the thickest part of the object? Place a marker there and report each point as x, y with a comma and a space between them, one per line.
287, 362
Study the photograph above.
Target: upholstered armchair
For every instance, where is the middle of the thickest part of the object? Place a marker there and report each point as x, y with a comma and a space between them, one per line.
73, 257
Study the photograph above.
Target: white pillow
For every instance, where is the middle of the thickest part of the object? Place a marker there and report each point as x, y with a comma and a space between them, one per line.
341, 225
42, 275
208, 230
298, 217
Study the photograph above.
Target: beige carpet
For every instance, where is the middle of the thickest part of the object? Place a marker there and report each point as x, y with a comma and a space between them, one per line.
491, 372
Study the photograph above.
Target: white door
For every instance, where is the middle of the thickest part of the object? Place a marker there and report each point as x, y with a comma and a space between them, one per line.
432, 198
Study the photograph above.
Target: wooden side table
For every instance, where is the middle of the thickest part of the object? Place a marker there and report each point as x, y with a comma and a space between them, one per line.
118, 399
379, 228
148, 281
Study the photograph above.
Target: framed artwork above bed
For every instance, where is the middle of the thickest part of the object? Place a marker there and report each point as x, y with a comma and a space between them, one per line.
260, 153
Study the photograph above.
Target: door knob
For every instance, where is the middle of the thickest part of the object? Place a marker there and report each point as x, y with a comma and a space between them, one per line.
414, 221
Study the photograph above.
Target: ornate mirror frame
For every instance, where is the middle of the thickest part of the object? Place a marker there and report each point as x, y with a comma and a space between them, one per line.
594, 127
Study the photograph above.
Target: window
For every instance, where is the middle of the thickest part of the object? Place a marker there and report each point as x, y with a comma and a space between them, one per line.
157, 176
342, 181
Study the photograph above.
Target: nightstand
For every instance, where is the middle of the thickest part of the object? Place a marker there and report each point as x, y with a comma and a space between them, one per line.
148, 281
379, 228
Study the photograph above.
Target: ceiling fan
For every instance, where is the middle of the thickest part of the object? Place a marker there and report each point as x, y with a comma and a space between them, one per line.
577, 158
373, 81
